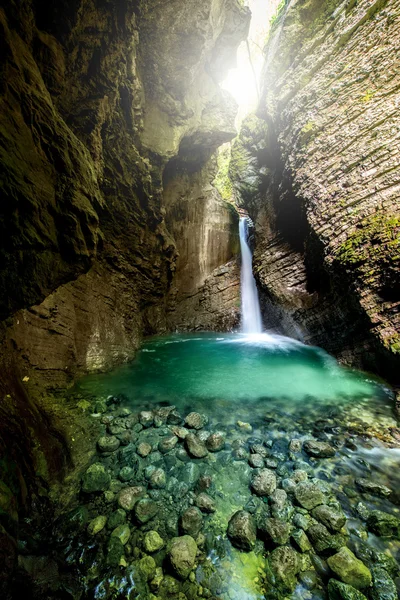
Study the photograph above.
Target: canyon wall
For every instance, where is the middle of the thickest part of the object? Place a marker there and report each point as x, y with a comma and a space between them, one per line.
97, 101
323, 185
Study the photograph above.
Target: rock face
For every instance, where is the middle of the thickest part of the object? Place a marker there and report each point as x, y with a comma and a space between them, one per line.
109, 160
323, 184
98, 102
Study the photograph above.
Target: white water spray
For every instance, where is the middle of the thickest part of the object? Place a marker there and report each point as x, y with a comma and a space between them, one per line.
251, 313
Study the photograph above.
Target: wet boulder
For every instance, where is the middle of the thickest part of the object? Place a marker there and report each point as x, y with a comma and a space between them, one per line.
383, 586
195, 420
308, 495
182, 553
275, 531
152, 542
256, 461
319, 449
167, 444
96, 525
123, 533
330, 517
191, 521
264, 482
301, 541
383, 524
205, 503
370, 487
284, 565
128, 497
146, 418
350, 569
144, 449
215, 442
108, 443
242, 530
323, 541
95, 479
341, 591
195, 446
145, 510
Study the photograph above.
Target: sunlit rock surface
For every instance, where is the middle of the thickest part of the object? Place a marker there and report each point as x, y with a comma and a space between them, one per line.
326, 204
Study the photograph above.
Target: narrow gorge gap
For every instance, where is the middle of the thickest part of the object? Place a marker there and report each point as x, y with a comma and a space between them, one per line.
199, 295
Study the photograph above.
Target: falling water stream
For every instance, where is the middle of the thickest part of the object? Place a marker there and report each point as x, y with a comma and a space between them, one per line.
251, 313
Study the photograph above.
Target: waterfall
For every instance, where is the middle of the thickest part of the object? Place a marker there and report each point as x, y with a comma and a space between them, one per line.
251, 314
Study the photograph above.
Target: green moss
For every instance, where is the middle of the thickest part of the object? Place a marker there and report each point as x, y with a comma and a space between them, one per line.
376, 238
368, 96
307, 133
278, 13
222, 180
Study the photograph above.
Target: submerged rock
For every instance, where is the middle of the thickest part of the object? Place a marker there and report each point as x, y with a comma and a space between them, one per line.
195, 446
242, 530
118, 517
205, 503
123, 533
195, 420
157, 479
191, 521
182, 553
324, 542
301, 540
370, 487
256, 461
95, 479
350, 569
276, 531
264, 482
383, 586
319, 449
144, 449
167, 444
147, 568
215, 442
146, 418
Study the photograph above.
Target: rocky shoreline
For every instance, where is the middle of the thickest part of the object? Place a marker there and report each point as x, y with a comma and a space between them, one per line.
177, 506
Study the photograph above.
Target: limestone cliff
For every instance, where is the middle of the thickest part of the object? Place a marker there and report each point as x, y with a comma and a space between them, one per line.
326, 180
